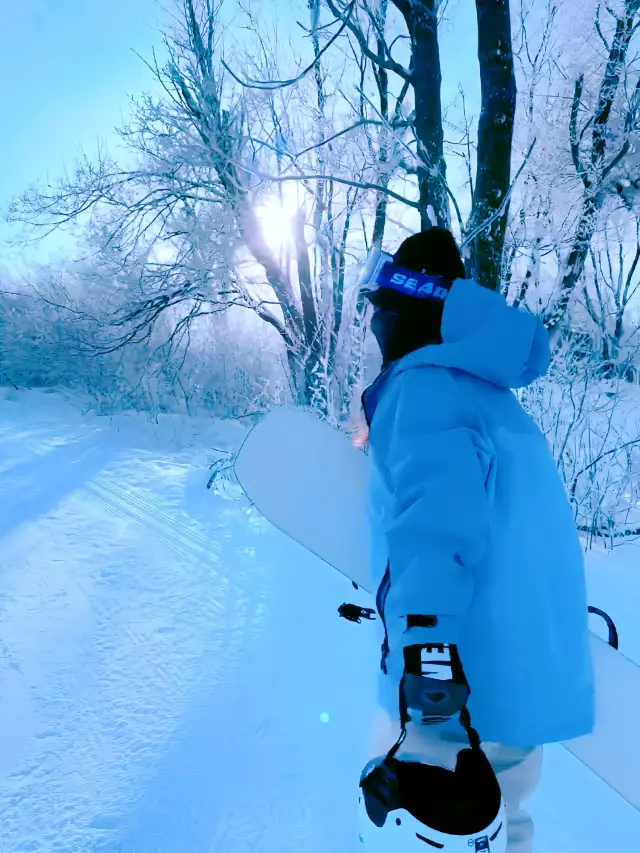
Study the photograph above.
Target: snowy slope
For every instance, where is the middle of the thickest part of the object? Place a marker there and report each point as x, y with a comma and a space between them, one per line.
174, 675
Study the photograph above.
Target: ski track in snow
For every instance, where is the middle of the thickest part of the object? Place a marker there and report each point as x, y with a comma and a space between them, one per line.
138, 688
165, 657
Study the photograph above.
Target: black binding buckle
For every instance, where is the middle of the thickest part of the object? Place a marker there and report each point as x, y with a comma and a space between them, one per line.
353, 613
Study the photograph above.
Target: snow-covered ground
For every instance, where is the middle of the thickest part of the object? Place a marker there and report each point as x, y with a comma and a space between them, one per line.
173, 674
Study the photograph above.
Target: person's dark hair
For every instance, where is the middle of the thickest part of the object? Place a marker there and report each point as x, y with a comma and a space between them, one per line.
434, 251
404, 323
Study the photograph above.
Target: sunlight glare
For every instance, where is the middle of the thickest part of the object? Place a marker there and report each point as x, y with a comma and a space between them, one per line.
275, 215
163, 252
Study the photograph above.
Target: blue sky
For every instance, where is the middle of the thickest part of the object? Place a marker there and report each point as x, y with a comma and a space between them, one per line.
68, 66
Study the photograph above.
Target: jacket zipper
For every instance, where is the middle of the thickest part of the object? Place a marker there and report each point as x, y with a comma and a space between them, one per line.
381, 598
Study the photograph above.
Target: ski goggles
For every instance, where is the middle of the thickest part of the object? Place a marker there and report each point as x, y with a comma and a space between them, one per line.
381, 273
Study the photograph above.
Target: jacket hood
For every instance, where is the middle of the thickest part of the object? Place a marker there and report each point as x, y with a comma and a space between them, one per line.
487, 338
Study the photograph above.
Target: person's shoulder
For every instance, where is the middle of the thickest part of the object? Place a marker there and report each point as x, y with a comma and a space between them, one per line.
425, 378
426, 396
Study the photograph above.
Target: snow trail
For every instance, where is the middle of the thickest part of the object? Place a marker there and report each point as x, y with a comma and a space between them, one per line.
174, 677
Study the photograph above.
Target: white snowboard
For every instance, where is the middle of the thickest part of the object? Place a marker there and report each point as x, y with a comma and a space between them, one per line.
308, 480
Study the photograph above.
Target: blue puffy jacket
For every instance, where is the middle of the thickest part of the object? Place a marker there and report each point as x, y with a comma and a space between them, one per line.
472, 518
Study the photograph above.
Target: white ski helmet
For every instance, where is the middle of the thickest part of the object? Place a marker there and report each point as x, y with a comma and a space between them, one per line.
407, 806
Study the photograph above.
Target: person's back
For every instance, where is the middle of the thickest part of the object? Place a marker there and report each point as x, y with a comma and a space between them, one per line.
475, 545
486, 539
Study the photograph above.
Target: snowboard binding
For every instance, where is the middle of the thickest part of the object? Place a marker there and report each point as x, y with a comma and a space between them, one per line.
354, 613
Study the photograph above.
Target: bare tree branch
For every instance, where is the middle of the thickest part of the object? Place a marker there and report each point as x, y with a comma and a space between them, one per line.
384, 62
573, 132
361, 185
271, 85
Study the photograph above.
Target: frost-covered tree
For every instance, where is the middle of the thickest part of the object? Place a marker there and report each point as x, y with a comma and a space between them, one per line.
209, 151
336, 139
580, 89
347, 128
423, 140
609, 295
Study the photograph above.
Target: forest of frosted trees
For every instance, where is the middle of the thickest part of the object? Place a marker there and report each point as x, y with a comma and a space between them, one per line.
216, 252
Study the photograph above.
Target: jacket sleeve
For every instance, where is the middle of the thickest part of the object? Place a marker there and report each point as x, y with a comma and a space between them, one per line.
436, 466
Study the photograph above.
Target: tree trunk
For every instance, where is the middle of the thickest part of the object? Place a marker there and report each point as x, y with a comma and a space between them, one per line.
338, 270
421, 17
575, 264
314, 369
593, 172
495, 136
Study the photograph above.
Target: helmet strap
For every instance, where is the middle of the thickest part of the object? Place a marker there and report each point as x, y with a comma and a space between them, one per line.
472, 734
404, 719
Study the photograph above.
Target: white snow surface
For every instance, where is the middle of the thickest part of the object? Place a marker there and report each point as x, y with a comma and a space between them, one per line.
173, 674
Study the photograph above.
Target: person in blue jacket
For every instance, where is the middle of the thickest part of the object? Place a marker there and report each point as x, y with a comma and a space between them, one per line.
479, 565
